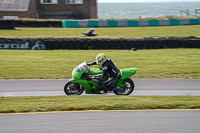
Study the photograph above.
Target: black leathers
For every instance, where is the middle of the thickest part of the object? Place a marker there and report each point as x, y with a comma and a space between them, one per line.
110, 69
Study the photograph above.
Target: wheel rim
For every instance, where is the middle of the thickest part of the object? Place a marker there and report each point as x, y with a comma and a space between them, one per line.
72, 89
127, 89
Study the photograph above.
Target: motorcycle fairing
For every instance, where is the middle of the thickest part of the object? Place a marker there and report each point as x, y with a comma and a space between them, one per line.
87, 85
127, 72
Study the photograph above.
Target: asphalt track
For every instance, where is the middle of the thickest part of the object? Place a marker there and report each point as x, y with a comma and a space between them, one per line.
156, 121
54, 87
162, 121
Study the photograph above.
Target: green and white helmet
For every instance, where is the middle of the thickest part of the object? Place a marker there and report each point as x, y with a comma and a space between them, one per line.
100, 59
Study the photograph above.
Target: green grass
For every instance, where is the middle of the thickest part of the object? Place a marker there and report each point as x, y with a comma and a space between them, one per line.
163, 31
71, 103
58, 64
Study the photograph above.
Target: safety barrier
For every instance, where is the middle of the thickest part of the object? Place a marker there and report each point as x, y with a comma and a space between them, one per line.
128, 23
20, 23
11, 24
103, 43
7, 24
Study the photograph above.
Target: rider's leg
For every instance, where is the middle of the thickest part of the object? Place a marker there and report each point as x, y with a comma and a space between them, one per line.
107, 83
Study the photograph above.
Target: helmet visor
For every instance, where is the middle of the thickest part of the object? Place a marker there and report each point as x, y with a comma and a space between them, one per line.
100, 60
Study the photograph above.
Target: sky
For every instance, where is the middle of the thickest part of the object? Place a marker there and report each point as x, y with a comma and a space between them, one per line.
124, 1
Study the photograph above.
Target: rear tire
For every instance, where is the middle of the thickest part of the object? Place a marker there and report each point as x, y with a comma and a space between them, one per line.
73, 89
128, 89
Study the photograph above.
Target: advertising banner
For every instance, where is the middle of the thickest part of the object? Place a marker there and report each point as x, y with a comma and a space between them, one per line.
8, 44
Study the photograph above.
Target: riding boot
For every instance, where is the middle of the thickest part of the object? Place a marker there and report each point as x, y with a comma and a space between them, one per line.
105, 90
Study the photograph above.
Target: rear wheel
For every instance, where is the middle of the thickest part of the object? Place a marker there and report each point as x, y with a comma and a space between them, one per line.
126, 90
73, 88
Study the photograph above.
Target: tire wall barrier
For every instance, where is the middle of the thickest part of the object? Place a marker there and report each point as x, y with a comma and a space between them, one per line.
128, 23
20, 23
7, 24
96, 43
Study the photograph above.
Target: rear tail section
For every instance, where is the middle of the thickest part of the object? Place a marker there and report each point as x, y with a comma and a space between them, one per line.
127, 72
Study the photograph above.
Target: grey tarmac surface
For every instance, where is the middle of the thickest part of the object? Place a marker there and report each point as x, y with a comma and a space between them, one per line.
54, 87
176, 121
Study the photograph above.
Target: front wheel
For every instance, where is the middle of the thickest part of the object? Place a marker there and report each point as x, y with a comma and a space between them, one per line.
126, 90
73, 88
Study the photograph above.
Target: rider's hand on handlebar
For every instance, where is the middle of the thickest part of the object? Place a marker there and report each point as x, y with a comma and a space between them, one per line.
89, 77
88, 64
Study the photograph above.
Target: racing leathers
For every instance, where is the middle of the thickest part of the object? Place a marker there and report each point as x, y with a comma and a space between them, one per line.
111, 70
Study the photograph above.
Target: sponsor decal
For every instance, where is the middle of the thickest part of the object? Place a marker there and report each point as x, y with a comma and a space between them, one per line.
39, 46
22, 45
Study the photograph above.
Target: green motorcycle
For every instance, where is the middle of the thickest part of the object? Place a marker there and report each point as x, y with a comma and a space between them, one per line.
80, 83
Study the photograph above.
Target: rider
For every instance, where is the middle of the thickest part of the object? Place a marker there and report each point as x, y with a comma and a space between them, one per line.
109, 68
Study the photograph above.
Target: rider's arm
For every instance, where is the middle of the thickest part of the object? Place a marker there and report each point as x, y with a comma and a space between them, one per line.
92, 63
101, 75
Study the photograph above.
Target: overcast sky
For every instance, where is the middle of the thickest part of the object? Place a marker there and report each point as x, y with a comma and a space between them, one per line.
123, 1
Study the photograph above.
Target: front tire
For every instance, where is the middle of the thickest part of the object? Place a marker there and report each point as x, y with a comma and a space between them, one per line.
128, 89
73, 89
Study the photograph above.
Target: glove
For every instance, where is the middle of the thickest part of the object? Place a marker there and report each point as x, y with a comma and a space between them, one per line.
92, 77
89, 64
89, 77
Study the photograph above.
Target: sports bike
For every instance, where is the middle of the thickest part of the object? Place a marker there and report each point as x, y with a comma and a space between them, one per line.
80, 81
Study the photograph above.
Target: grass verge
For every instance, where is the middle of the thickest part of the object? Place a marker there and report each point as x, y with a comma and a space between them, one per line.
162, 31
58, 64
76, 103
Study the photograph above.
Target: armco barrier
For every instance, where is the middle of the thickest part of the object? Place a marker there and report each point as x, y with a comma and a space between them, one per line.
174, 22
92, 23
128, 23
97, 43
112, 23
133, 23
153, 23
